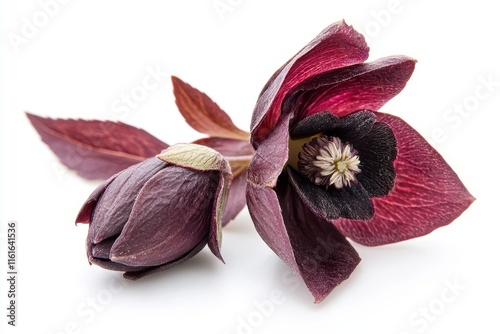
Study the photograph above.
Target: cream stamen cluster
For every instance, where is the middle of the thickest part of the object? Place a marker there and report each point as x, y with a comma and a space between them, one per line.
327, 161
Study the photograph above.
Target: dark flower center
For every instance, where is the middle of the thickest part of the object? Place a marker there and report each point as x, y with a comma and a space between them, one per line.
338, 164
327, 161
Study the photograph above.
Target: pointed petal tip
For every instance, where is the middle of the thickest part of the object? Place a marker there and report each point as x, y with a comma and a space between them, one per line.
219, 256
214, 247
469, 200
85, 213
121, 253
116, 258
126, 259
131, 276
320, 295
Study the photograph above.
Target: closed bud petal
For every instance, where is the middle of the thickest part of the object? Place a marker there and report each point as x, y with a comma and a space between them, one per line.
158, 213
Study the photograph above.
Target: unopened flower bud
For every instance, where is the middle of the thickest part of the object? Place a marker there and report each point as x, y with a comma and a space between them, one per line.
158, 213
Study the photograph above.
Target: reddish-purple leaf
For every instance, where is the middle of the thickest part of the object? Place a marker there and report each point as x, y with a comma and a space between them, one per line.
339, 45
203, 114
428, 194
96, 149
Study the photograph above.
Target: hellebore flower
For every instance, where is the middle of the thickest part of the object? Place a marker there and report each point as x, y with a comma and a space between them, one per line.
159, 212
328, 165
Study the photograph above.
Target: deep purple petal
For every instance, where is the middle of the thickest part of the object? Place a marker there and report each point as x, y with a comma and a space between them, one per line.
325, 258
309, 245
265, 211
347, 128
170, 216
102, 249
236, 198
96, 149
337, 46
377, 151
219, 202
109, 265
85, 214
428, 194
350, 202
134, 274
346, 90
270, 157
106, 263
114, 206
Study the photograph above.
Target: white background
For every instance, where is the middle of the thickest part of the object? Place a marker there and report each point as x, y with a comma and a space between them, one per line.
89, 53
